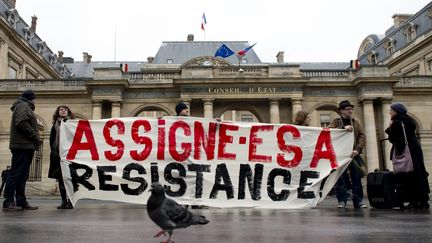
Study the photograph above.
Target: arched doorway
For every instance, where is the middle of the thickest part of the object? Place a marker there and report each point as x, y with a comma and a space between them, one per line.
239, 115
323, 114
152, 111
242, 112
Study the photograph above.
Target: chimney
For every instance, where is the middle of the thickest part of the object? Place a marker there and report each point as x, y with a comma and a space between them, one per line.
86, 57
150, 59
399, 19
60, 55
12, 3
190, 37
33, 24
280, 57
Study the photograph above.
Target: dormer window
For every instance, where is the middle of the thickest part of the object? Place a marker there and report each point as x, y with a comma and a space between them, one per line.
52, 59
42, 47
63, 70
169, 61
12, 17
28, 34
244, 61
389, 46
372, 57
410, 32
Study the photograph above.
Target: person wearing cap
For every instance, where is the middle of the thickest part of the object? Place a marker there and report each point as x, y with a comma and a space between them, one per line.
183, 110
24, 140
415, 185
352, 173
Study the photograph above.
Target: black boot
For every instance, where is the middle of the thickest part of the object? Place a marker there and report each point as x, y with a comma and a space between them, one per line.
68, 205
62, 205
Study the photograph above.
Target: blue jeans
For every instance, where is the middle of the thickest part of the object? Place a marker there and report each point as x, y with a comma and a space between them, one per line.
17, 177
341, 187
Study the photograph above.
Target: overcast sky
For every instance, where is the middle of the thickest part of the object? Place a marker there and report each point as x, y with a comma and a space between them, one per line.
306, 30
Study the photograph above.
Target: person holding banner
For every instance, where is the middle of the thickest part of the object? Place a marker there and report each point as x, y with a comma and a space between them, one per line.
24, 140
302, 118
182, 109
62, 113
353, 173
415, 184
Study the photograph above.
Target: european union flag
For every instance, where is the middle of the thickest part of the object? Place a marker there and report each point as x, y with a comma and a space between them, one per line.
223, 51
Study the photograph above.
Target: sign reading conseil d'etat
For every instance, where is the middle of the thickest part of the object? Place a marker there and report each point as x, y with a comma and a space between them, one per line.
239, 90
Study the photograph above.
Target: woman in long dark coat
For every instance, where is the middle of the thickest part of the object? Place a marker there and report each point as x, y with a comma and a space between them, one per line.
61, 113
415, 184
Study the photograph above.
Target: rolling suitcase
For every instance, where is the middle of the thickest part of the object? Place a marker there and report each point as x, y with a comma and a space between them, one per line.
383, 190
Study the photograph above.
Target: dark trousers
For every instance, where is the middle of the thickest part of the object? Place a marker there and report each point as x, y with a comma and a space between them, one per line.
62, 190
341, 187
17, 177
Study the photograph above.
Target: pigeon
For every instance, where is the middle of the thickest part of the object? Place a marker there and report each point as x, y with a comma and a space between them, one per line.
168, 214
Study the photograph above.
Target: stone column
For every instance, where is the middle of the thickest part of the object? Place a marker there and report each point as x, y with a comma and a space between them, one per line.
386, 144
208, 108
274, 111
23, 73
115, 109
371, 138
4, 49
97, 110
233, 115
296, 107
422, 66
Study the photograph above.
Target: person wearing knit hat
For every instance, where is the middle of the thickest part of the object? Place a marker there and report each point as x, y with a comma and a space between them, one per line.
29, 95
24, 140
415, 184
182, 109
399, 108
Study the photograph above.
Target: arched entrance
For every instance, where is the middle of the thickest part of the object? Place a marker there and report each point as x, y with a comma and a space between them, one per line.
239, 115
240, 112
151, 111
323, 114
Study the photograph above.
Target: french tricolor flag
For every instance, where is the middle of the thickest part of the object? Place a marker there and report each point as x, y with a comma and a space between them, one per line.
124, 67
244, 51
354, 64
203, 22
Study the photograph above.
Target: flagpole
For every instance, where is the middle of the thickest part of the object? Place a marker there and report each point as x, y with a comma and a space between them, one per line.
115, 43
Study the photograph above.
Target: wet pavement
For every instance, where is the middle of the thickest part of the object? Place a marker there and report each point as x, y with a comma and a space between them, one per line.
100, 221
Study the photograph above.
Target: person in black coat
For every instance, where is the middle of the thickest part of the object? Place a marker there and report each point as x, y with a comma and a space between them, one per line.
62, 113
24, 140
415, 184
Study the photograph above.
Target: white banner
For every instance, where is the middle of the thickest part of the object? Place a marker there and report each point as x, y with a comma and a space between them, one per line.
202, 161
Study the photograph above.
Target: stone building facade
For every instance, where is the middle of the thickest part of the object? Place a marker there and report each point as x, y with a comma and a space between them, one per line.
395, 67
